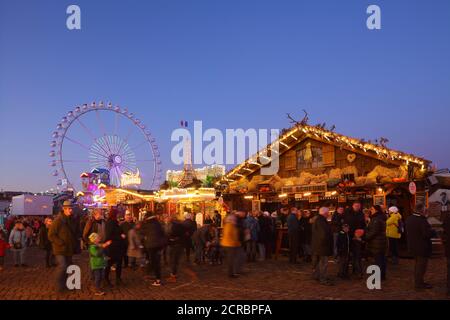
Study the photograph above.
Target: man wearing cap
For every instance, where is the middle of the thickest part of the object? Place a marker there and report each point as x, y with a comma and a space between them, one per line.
62, 236
394, 229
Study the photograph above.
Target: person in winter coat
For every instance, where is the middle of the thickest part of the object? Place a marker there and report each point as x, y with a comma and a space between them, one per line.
376, 238
116, 250
45, 244
394, 225
217, 219
200, 238
154, 239
354, 217
343, 248
446, 241
176, 245
135, 247
419, 234
357, 247
95, 224
337, 220
126, 226
306, 234
321, 245
251, 223
293, 234
18, 243
62, 235
264, 236
97, 261
3, 247
190, 226
232, 241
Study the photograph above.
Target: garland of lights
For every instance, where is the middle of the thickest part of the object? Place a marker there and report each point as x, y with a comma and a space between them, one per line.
321, 133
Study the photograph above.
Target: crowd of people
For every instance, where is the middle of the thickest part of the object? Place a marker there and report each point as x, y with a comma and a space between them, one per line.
353, 237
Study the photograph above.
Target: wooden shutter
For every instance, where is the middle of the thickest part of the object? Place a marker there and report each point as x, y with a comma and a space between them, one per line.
328, 154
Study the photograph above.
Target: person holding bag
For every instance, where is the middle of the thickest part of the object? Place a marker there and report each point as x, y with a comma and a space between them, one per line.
18, 240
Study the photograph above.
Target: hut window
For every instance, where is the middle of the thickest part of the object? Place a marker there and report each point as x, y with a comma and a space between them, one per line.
309, 157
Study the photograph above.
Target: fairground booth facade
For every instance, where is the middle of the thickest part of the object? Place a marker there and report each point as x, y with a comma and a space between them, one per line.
319, 167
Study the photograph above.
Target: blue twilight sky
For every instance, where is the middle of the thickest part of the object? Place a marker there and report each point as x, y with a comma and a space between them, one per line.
230, 63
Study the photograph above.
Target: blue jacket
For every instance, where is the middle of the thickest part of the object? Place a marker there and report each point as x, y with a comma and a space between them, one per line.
292, 223
17, 236
253, 225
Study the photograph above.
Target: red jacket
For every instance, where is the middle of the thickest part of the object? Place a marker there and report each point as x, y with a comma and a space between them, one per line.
3, 246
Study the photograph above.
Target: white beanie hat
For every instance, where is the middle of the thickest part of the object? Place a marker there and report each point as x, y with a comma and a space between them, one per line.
393, 209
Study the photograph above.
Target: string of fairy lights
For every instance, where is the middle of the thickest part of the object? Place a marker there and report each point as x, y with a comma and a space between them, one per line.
289, 139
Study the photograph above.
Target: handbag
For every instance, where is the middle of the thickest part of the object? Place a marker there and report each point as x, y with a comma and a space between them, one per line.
18, 244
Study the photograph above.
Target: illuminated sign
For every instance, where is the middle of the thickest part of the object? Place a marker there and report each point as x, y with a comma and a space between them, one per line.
130, 178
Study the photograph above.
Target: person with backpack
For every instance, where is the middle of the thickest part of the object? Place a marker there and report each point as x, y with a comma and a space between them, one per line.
394, 230
18, 243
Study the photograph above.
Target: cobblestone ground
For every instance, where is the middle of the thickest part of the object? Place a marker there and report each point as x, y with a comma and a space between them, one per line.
262, 281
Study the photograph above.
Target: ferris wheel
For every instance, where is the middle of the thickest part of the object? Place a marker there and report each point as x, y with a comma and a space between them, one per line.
107, 137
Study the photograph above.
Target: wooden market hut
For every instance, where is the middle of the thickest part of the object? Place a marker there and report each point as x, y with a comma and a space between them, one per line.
320, 167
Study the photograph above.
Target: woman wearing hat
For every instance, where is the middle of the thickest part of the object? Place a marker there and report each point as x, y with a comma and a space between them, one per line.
394, 229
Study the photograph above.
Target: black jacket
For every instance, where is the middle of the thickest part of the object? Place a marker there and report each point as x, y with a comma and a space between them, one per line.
306, 230
337, 221
153, 234
322, 237
265, 229
190, 227
114, 233
176, 233
126, 227
446, 235
418, 233
355, 220
376, 234
343, 244
357, 248
44, 243
202, 235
